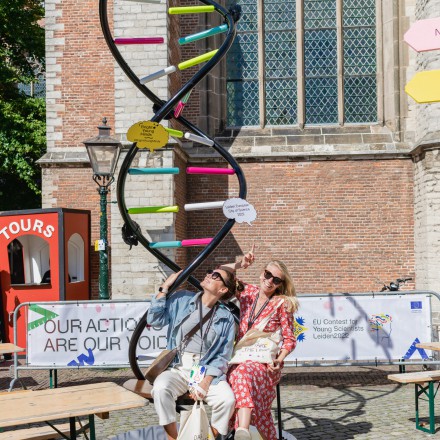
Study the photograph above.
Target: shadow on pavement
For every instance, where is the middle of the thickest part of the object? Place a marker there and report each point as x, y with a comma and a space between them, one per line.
338, 379
346, 406
28, 382
334, 430
424, 421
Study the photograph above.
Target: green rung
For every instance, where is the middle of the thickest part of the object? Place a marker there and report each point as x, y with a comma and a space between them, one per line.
153, 209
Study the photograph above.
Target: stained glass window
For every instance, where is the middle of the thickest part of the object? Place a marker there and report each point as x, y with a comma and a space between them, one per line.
280, 62
360, 94
242, 69
320, 63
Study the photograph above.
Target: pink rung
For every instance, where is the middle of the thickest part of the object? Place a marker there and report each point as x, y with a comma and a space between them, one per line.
196, 242
201, 170
179, 109
142, 40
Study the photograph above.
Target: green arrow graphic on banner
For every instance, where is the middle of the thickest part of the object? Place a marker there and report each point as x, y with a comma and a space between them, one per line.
47, 315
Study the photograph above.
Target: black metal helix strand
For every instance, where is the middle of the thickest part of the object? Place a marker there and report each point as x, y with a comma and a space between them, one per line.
162, 110
230, 18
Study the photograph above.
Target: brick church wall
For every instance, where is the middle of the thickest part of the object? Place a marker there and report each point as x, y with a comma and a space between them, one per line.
340, 226
336, 203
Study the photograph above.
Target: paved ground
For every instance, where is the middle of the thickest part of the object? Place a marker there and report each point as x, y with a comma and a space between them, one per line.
337, 403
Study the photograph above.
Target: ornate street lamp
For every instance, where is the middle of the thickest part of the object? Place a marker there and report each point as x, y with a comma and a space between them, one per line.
103, 151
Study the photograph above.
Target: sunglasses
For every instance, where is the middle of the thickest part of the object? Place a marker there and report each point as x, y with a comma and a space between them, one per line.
215, 276
268, 275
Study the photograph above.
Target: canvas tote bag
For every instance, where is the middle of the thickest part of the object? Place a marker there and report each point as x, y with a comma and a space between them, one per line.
194, 424
258, 345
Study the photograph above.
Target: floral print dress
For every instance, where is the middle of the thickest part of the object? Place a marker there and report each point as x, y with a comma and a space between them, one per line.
252, 382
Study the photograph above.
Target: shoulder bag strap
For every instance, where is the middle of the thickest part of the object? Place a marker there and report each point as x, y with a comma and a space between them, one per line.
194, 330
260, 326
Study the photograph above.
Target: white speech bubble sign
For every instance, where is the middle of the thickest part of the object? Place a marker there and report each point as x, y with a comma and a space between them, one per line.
240, 210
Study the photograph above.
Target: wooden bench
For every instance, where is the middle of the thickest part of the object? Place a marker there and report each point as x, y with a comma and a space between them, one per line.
424, 384
143, 388
52, 405
6, 349
16, 391
38, 433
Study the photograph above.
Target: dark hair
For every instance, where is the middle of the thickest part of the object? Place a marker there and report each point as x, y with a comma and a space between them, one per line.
232, 284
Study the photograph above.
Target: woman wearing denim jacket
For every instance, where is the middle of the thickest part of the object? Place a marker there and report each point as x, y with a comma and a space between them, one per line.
210, 347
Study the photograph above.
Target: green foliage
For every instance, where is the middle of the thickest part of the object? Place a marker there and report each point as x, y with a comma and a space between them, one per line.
21, 41
22, 142
22, 118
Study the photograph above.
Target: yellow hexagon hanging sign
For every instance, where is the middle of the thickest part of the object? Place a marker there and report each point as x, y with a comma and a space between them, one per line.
424, 87
148, 134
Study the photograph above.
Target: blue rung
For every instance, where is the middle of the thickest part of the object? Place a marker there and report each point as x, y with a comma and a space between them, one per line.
203, 34
165, 244
134, 171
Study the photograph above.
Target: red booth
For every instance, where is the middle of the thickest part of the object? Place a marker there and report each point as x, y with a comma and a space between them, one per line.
44, 256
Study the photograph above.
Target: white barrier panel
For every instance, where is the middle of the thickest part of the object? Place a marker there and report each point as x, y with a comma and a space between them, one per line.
88, 334
329, 328
362, 327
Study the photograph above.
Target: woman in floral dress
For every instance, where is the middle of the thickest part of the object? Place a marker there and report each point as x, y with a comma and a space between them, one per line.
254, 383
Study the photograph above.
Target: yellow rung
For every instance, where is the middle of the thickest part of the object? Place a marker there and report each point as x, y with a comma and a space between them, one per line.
191, 10
153, 209
197, 60
175, 133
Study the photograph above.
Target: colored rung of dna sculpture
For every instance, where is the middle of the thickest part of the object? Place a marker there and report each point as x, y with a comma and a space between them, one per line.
173, 108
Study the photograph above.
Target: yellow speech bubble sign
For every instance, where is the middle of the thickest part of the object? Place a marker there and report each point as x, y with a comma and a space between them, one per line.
148, 134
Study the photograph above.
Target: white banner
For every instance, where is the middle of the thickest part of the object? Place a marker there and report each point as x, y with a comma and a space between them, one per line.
362, 327
330, 328
88, 334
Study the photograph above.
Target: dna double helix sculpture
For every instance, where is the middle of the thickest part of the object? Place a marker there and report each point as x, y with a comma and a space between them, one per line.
173, 109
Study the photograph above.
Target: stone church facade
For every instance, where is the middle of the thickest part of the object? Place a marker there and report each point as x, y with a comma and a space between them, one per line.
341, 165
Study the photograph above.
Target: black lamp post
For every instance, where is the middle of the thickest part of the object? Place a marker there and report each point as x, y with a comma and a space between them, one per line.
103, 151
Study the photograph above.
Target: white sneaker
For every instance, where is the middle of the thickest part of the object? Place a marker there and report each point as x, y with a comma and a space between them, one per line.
242, 434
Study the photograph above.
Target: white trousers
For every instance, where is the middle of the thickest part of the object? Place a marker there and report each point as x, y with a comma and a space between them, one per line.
172, 383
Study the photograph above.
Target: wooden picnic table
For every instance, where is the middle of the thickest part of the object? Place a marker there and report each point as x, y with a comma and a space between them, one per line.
67, 402
434, 346
7, 348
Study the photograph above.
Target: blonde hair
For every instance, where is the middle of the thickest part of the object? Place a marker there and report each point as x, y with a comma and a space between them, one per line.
286, 289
